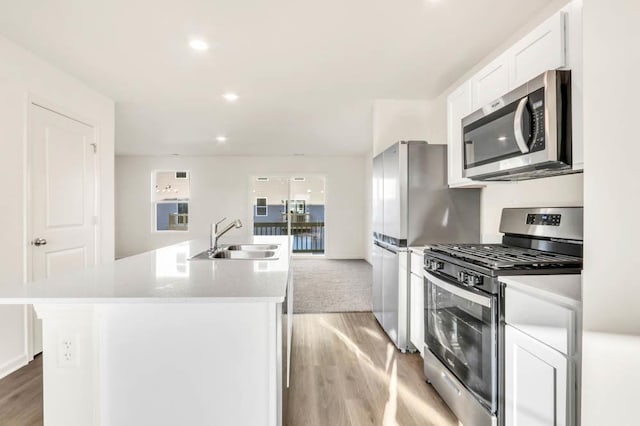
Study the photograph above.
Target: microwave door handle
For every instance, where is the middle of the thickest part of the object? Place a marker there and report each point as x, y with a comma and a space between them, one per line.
517, 126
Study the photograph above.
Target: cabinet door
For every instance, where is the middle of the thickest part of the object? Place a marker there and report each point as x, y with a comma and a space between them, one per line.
377, 290
458, 106
541, 50
536, 377
490, 83
417, 312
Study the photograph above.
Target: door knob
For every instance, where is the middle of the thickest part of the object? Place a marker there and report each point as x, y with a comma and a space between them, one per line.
39, 242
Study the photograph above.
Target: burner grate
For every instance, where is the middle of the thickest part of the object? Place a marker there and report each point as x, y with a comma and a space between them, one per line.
502, 256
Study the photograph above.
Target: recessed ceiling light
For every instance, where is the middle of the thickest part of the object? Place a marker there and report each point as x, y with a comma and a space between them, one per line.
230, 96
502, 138
308, 190
221, 138
198, 45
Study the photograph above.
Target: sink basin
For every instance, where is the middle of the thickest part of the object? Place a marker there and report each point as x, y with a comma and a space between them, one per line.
244, 254
236, 254
252, 247
241, 251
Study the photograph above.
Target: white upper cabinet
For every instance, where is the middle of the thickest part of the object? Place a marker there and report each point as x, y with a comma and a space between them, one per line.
554, 44
458, 106
541, 50
490, 83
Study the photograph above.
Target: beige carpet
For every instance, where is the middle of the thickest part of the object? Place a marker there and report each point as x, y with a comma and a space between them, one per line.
331, 286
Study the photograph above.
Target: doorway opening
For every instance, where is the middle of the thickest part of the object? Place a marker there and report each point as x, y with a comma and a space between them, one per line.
291, 205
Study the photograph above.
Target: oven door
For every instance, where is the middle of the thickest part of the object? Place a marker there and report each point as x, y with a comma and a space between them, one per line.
461, 330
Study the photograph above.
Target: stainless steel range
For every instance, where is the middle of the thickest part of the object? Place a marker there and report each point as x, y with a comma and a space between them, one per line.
464, 307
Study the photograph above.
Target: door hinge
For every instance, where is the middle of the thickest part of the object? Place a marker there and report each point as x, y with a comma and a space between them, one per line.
95, 147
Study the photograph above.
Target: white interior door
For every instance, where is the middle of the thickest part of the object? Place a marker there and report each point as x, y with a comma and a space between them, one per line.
62, 204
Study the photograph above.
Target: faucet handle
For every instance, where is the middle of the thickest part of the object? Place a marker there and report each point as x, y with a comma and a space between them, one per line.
215, 227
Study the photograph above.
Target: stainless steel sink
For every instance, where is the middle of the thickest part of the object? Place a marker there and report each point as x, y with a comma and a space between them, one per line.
252, 247
241, 252
247, 254
205, 255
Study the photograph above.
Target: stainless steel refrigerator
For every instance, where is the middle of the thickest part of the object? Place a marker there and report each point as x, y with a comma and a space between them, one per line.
413, 206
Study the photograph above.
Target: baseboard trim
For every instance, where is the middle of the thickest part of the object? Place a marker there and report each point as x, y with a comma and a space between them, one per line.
13, 365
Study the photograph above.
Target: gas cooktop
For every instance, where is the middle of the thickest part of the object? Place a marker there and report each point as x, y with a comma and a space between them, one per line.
498, 256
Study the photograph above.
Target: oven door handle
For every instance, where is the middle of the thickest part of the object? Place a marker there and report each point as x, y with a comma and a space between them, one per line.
517, 125
460, 292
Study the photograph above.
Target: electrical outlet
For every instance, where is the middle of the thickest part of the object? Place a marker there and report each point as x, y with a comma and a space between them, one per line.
67, 351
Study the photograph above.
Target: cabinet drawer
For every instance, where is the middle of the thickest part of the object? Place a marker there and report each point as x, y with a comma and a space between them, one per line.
416, 263
547, 322
462, 402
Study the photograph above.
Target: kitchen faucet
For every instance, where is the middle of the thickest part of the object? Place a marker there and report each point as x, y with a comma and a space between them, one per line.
215, 235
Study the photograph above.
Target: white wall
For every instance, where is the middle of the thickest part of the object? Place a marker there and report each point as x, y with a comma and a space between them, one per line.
398, 120
611, 281
220, 187
560, 191
22, 76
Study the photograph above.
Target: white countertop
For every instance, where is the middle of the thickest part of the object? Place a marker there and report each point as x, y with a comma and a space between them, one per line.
565, 289
165, 276
418, 249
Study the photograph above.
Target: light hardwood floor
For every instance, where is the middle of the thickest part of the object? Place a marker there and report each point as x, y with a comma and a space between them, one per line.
344, 372
21, 396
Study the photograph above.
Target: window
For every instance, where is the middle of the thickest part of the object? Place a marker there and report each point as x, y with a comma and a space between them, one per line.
296, 206
261, 206
171, 194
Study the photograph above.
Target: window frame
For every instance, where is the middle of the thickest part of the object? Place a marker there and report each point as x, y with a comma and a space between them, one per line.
266, 207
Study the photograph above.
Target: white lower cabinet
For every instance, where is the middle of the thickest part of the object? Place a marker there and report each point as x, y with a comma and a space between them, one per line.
417, 312
536, 382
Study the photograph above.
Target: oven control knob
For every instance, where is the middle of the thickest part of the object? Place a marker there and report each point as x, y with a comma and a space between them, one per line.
462, 277
471, 280
435, 265
427, 264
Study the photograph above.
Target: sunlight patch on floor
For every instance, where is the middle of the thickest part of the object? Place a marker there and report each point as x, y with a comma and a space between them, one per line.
391, 406
397, 390
371, 333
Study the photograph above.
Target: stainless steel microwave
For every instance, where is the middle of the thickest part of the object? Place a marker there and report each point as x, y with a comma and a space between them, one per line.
525, 134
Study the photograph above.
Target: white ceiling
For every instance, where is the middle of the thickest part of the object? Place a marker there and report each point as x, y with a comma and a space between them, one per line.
306, 72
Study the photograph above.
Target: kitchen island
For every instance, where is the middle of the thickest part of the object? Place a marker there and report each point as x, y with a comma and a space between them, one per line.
158, 339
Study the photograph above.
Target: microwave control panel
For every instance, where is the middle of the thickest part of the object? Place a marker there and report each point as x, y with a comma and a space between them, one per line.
544, 219
536, 105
